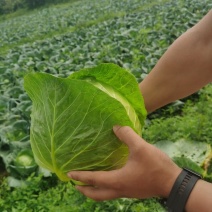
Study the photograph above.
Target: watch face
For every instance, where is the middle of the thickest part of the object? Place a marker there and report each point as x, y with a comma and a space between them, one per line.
193, 172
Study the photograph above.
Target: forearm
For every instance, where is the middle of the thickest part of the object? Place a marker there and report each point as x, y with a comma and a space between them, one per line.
200, 198
184, 68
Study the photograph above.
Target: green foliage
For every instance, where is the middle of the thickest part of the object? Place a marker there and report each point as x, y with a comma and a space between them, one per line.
25, 198
9, 6
47, 194
197, 152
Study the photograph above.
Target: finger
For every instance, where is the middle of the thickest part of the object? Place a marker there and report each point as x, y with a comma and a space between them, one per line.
127, 135
96, 178
98, 194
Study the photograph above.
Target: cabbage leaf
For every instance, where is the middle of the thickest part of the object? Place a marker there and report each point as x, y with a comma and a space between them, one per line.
72, 118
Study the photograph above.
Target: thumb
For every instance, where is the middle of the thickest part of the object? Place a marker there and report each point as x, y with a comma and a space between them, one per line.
127, 135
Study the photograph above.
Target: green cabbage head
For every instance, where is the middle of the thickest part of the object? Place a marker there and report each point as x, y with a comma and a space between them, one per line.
72, 118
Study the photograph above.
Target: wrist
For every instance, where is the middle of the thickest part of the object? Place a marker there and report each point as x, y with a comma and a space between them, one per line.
168, 181
181, 190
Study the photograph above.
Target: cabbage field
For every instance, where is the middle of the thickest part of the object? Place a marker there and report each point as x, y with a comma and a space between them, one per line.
67, 37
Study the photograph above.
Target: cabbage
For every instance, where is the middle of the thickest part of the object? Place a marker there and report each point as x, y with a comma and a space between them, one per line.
72, 118
25, 159
23, 164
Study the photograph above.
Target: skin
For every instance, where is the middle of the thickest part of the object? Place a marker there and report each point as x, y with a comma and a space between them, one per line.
184, 68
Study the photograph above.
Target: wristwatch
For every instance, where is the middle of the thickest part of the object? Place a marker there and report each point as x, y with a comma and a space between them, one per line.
181, 190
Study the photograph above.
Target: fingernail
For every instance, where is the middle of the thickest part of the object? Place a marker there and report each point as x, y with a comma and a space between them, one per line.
69, 174
116, 127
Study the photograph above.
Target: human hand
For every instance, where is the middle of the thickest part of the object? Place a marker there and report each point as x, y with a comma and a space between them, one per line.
148, 172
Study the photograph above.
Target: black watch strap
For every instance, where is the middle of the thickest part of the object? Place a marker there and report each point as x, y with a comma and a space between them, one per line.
181, 190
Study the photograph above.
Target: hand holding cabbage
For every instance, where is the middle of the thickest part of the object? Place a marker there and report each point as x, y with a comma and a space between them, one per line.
149, 172
72, 118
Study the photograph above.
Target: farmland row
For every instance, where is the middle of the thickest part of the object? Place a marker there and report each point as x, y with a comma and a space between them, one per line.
64, 19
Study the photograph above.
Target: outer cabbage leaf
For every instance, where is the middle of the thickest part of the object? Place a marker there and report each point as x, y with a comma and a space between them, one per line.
126, 91
71, 125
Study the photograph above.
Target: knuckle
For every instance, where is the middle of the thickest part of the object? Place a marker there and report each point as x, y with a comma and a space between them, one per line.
90, 181
88, 178
75, 177
117, 185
